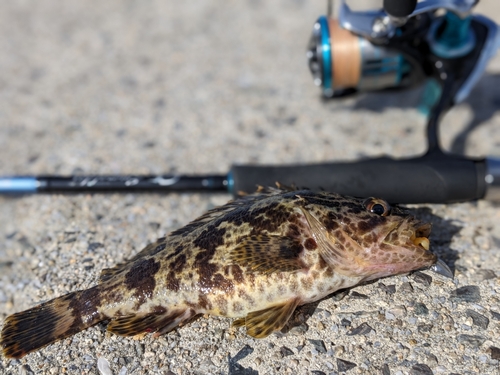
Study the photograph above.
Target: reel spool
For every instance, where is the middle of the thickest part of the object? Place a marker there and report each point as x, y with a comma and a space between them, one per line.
342, 63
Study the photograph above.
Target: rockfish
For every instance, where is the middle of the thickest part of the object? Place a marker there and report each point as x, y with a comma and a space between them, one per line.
254, 259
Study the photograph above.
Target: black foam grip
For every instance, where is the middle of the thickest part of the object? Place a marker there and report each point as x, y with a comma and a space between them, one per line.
400, 8
419, 180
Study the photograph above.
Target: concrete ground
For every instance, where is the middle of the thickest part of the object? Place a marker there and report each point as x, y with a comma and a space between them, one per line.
193, 87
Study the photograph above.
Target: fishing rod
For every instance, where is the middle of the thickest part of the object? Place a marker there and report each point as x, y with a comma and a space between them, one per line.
399, 46
427, 179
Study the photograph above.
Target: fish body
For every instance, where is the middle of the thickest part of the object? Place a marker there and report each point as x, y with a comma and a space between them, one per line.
255, 259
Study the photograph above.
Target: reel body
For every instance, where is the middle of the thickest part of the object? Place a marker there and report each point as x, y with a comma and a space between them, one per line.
375, 50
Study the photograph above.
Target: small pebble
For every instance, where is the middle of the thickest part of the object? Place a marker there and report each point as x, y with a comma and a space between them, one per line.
389, 289
469, 293
421, 369
339, 350
25, 370
424, 328
316, 372
398, 311
345, 322
431, 359
343, 365
478, 319
494, 352
103, 366
285, 352
406, 287
356, 295
420, 309
422, 278
484, 274
495, 315
93, 246
389, 315
483, 358
386, 370
319, 345
362, 329
139, 348
474, 340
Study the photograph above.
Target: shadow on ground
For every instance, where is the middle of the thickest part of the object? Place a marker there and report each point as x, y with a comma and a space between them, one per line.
484, 101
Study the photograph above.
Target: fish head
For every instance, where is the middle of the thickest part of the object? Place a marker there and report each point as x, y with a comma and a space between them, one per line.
369, 239
399, 242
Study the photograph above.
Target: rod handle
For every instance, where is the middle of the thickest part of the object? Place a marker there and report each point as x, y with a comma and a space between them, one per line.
443, 179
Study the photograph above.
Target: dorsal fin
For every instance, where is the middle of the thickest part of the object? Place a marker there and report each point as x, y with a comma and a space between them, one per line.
241, 200
153, 248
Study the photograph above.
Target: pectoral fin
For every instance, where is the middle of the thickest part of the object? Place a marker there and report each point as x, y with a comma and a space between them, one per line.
262, 323
338, 253
267, 254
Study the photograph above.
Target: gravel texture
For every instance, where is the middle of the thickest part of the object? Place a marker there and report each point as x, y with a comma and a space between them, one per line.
192, 87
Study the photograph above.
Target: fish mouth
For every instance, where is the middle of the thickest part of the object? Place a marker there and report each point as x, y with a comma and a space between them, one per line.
420, 235
409, 231
409, 238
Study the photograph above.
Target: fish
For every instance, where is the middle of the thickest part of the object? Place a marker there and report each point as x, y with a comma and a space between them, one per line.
255, 259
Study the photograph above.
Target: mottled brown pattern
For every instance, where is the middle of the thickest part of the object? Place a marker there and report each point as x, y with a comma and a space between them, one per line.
310, 244
220, 282
205, 273
203, 302
237, 273
177, 265
220, 304
141, 279
255, 258
85, 307
159, 310
172, 282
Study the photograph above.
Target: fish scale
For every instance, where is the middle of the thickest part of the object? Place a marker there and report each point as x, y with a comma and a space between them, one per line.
255, 259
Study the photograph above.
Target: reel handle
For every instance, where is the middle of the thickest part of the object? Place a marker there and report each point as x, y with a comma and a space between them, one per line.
400, 8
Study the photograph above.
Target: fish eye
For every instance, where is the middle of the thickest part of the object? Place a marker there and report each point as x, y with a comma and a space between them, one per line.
377, 206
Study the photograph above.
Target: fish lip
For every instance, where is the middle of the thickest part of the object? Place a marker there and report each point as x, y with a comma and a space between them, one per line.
420, 235
419, 231
422, 229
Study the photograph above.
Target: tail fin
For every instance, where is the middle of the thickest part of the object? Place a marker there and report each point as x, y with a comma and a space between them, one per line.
44, 324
